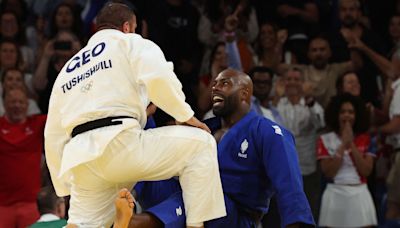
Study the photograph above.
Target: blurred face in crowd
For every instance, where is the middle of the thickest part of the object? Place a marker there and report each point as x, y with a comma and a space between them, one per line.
8, 55
267, 36
351, 84
14, 5
64, 18
9, 25
225, 93
319, 53
293, 83
394, 28
346, 114
262, 83
41, 23
349, 12
220, 57
16, 105
13, 79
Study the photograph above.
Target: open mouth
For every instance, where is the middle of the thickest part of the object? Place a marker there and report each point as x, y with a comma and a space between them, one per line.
217, 100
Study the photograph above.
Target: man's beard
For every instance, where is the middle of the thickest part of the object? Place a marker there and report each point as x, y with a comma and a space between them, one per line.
320, 64
229, 107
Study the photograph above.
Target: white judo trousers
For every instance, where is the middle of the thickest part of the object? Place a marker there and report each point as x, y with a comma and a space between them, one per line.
119, 74
135, 155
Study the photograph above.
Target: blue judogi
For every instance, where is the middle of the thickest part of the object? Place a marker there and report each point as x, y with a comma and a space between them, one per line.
257, 159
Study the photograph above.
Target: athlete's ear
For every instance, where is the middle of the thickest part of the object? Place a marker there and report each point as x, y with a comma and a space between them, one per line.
244, 93
126, 27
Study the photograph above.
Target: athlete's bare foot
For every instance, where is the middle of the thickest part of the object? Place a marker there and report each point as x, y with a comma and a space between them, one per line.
124, 205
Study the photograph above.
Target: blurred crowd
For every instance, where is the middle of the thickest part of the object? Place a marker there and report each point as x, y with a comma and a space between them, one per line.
327, 70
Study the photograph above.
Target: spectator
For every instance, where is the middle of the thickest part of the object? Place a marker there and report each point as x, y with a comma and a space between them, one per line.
321, 74
51, 208
269, 46
392, 129
380, 114
10, 58
378, 14
303, 116
21, 146
65, 18
12, 29
56, 53
262, 78
19, 7
346, 161
394, 33
300, 18
14, 79
348, 83
352, 29
222, 20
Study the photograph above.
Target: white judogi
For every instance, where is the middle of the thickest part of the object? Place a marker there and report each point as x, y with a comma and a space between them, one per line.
119, 74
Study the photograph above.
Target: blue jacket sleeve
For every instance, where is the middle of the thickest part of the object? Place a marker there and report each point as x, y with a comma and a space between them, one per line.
282, 167
171, 212
150, 193
233, 55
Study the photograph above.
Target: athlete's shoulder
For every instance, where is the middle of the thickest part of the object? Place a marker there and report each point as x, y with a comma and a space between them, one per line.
137, 38
270, 127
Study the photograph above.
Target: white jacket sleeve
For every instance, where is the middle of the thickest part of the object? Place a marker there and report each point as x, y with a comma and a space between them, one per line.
55, 140
163, 87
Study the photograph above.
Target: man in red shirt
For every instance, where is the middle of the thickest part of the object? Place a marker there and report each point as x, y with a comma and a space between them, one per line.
21, 146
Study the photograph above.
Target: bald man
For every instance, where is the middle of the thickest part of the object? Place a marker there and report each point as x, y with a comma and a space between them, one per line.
257, 159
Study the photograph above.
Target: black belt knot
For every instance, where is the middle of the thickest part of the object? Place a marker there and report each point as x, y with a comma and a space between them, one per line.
94, 124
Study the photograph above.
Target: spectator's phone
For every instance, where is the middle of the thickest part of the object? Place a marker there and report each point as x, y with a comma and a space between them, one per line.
62, 45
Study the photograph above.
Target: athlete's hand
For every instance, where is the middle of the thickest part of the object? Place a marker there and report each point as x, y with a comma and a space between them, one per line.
48, 51
195, 123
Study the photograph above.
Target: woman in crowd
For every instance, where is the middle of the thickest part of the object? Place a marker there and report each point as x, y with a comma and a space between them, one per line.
11, 58
11, 28
13, 78
346, 161
56, 53
348, 83
64, 18
269, 46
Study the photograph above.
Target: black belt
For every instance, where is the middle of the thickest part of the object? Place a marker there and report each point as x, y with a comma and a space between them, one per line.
94, 124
